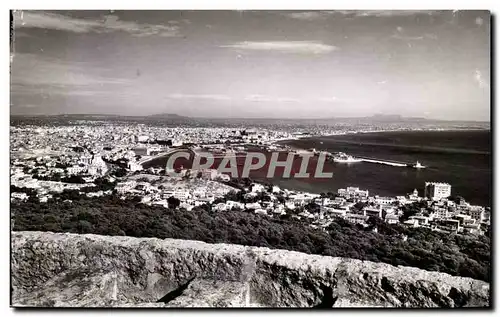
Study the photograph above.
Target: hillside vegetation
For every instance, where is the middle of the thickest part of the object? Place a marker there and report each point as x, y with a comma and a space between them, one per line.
460, 255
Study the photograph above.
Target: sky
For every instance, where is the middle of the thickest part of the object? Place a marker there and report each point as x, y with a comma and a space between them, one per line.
255, 64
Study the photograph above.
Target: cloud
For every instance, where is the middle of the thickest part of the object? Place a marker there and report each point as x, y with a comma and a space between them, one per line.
31, 69
400, 34
198, 96
107, 24
319, 15
44, 76
28, 106
264, 98
406, 37
327, 99
301, 47
386, 13
431, 36
309, 15
249, 98
478, 78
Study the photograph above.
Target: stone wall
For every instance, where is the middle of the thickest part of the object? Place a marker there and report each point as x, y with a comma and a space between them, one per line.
60, 269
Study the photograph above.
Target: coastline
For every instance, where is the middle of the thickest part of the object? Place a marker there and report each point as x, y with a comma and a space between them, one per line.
379, 131
458, 184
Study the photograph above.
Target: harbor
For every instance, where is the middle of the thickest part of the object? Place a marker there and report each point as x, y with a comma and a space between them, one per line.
341, 157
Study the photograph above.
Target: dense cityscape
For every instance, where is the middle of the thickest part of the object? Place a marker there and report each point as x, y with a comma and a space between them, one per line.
85, 156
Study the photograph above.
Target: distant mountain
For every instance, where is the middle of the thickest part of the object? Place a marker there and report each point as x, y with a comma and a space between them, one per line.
395, 118
175, 119
167, 116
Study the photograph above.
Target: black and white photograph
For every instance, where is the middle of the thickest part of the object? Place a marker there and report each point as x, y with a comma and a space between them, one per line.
316, 159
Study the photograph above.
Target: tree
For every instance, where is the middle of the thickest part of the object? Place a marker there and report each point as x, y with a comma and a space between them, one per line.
84, 226
173, 202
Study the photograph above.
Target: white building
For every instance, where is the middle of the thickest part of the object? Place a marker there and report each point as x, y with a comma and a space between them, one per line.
372, 211
133, 166
200, 192
224, 177
253, 206
437, 191
421, 220
290, 205
391, 219
352, 192
97, 166
125, 186
220, 207
477, 212
355, 218
258, 188
21, 196
414, 196
181, 194
74, 170
234, 204
441, 212
209, 174
334, 211
384, 200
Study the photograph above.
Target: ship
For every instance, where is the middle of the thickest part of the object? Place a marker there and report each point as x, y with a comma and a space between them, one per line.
344, 158
416, 165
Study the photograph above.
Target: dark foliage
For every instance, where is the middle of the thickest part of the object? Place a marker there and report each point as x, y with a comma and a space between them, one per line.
454, 254
72, 179
173, 202
26, 190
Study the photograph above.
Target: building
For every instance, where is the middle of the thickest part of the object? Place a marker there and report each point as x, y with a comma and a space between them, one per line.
276, 189
134, 166
384, 200
97, 166
182, 195
412, 223
391, 219
224, 177
352, 192
141, 151
74, 170
256, 188
437, 191
208, 174
356, 219
334, 211
441, 212
448, 225
372, 212
477, 212
85, 159
414, 196
421, 220
472, 228
125, 186
220, 207
21, 196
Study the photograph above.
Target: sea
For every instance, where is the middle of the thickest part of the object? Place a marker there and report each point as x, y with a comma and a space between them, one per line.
461, 158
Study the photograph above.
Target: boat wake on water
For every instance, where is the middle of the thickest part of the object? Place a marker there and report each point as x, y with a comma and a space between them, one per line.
342, 157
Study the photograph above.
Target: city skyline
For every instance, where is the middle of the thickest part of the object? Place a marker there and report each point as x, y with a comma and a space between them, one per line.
275, 64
